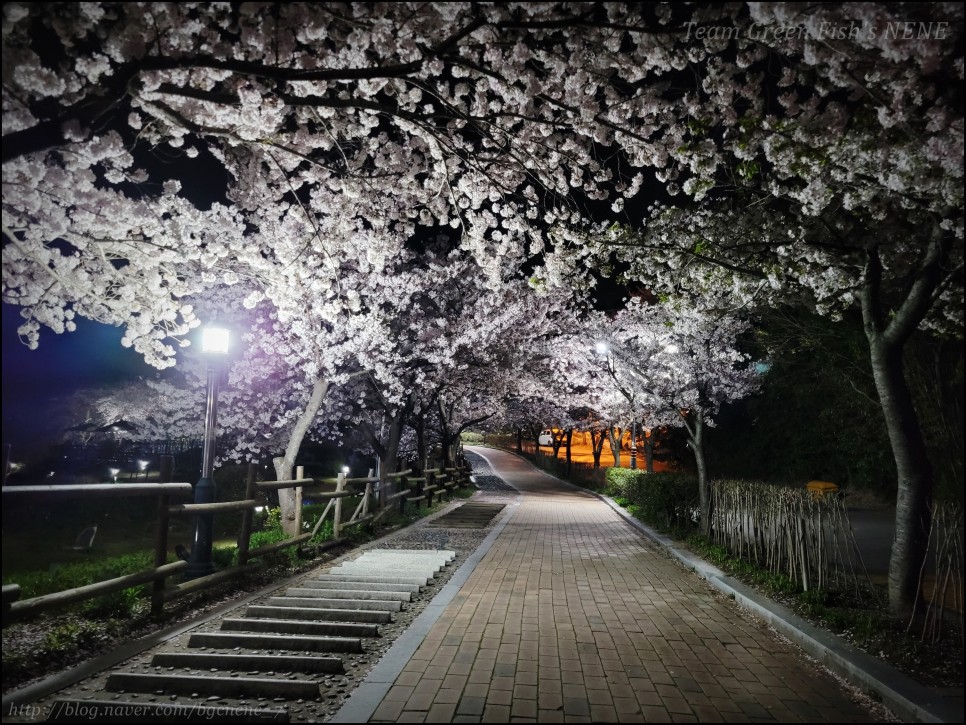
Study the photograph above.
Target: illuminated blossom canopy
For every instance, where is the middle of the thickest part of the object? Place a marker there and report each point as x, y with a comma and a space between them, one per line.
153, 152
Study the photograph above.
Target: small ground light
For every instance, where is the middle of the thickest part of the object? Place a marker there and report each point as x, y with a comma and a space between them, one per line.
114, 472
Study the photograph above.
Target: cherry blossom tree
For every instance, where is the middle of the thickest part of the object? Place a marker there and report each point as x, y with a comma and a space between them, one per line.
685, 361
329, 134
823, 162
312, 125
445, 353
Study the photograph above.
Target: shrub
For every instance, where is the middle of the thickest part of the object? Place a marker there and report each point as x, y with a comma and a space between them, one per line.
224, 556
69, 636
124, 603
471, 437
667, 501
271, 534
323, 534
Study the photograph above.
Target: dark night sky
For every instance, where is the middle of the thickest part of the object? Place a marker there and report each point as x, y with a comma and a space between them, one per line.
33, 379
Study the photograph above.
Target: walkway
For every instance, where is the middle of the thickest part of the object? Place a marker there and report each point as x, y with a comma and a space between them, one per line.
573, 616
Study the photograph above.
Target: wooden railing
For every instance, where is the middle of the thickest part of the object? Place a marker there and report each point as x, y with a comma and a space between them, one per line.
377, 497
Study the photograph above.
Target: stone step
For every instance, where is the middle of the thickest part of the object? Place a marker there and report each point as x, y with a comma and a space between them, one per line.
333, 603
354, 595
381, 570
298, 626
115, 711
207, 686
381, 558
361, 578
303, 643
409, 554
349, 586
247, 662
291, 609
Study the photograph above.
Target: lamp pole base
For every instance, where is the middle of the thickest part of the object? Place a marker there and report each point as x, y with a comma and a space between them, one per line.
200, 563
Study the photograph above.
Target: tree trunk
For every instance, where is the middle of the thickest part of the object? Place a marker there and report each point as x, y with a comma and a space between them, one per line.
649, 450
420, 428
286, 462
888, 335
597, 445
614, 435
445, 434
388, 461
558, 440
570, 436
696, 437
519, 440
915, 481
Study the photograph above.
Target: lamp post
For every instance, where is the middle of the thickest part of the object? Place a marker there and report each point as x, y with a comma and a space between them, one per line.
114, 472
143, 465
214, 346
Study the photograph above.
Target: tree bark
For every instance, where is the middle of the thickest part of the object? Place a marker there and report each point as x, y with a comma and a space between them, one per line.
286, 462
914, 473
614, 435
649, 450
570, 436
704, 492
695, 428
597, 445
419, 425
887, 335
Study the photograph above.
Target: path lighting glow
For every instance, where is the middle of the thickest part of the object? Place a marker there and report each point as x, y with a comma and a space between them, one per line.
345, 470
215, 339
114, 472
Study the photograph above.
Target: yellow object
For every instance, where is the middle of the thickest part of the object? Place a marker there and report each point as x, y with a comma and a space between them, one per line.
820, 488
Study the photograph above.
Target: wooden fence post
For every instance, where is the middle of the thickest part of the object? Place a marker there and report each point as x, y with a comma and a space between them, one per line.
165, 473
299, 473
367, 494
166, 469
160, 556
337, 516
403, 486
244, 538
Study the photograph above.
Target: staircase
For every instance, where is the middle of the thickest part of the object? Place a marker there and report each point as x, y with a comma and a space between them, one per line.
282, 650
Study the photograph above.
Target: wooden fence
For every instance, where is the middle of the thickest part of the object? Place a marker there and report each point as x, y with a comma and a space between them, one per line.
376, 498
791, 532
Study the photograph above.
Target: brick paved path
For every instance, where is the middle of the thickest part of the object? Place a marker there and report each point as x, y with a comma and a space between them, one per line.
572, 616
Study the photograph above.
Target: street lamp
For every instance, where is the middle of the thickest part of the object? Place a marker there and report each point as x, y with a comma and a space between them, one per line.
114, 472
143, 465
214, 346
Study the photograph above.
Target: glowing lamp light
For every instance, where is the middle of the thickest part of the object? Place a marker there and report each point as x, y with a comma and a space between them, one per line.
345, 470
601, 348
215, 340
114, 472
143, 464
214, 345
